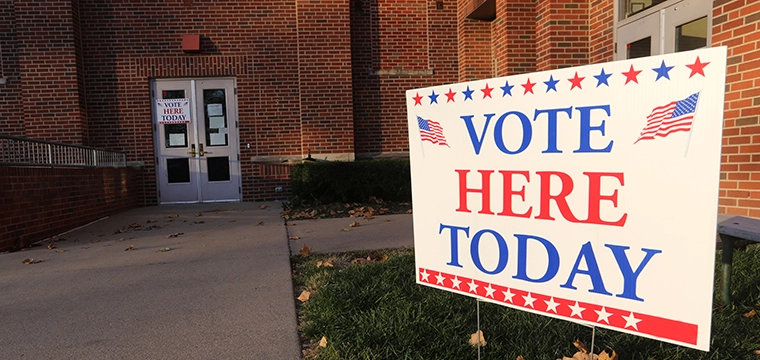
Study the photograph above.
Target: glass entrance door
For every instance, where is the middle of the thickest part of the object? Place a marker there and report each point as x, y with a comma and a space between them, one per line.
196, 139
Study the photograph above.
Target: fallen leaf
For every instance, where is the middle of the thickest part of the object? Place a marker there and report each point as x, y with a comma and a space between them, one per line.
368, 217
199, 222
260, 223
262, 207
54, 239
757, 352
199, 214
307, 231
30, 261
578, 344
165, 249
172, 216
344, 229
174, 235
96, 241
355, 224
305, 251
122, 239
290, 224
135, 225
304, 297
409, 211
150, 221
477, 339
386, 220
327, 263
604, 356
60, 250
233, 220
747, 315
131, 247
51, 247
323, 342
520, 357
359, 260
385, 257
294, 238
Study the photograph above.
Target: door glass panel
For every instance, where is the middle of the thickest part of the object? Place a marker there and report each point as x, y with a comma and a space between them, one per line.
640, 48
218, 168
175, 135
692, 35
214, 104
631, 7
178, 170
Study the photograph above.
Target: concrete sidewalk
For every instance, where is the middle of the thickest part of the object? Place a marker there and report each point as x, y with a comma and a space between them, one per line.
223, 289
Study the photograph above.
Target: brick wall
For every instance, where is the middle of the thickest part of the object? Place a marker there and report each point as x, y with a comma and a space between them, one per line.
736, 24
11, 107
474, 44
601, 29
396, 45
38, 203
45, 34
324, 68
561, 33
267, 178
514, 37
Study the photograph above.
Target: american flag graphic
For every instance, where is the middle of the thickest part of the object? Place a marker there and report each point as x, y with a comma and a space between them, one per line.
667, 119
431, 131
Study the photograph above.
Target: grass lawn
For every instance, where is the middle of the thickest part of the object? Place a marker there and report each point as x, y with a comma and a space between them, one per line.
375, 310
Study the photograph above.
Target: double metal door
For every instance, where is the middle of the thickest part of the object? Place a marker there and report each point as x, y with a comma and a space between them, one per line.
196, 140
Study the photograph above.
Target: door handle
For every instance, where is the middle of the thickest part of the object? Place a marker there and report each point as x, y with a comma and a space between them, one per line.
201, 150
192, 151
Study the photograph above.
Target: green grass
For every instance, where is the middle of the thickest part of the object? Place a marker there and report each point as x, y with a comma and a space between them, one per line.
375, 310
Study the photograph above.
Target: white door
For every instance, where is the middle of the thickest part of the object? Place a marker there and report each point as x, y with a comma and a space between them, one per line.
664, 27
196, 140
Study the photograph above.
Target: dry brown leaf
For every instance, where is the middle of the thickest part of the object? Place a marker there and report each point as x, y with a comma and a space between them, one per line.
344, 229
260, 223
750, 314
386, 220
355, 224
54, 239
359, 260
578, 344
520, 357
323, 342
290, 224
165, 249
327, 263
368, 216
262, 207
96, 241
121, 239
304, 297
51, 246
477, 339
199, 214
150, 221
30, 261
131, 247
333, 212
294, 238
172, 216
233, 220
757, 352
605, 356
385, 257
307, 231
305, 251
60, 250
409, 211
174, 235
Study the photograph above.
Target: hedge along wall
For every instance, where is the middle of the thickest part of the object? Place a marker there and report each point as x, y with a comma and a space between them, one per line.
37, 203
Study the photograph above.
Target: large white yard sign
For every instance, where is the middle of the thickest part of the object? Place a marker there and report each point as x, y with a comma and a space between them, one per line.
587, 194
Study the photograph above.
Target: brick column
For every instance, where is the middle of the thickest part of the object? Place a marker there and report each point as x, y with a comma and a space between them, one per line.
47, 37
475, 56
561, 33
514, 37
324, 67
736, 24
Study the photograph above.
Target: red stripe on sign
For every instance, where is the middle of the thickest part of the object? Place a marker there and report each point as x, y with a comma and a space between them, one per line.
572, 309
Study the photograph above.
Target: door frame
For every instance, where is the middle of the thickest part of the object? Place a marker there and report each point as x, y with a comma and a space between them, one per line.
194, 134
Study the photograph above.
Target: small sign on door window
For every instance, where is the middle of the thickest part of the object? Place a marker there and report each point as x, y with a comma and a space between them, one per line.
173, 111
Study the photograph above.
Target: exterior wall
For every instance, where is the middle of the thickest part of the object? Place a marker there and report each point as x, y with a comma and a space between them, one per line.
736, 24
601, 30
38, 203
475, 46
11, 106
561, 34
396, 45
514, 37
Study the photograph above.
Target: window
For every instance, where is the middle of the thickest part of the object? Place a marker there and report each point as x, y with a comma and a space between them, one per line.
653, 27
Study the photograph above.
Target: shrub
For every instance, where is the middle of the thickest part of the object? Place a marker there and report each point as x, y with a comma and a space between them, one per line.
358, 181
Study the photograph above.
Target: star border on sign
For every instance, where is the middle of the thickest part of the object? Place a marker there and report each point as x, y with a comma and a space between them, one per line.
486, 91
551, 84
602, 78
417, 100
697, 67
468, 93
507, 89
433, 97
631, 75
450, 96
528, 86
662, 71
